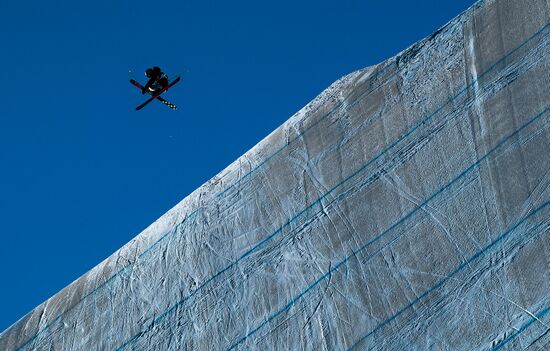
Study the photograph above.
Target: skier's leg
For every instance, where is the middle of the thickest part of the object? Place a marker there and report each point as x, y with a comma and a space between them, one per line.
163, 82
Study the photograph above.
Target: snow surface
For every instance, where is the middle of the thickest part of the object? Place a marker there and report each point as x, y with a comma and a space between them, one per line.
405, 208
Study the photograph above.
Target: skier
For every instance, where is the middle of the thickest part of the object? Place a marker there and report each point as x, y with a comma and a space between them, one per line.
158, 80
157, 84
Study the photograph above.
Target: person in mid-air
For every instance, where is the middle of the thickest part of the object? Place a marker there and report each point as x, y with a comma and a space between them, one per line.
158, 80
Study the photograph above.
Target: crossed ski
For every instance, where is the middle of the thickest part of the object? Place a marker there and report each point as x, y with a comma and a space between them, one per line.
157, 95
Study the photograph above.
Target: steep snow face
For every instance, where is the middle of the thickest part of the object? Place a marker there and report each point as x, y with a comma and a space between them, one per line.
405, 208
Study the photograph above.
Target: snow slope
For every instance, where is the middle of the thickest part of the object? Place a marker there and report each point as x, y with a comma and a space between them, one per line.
406, 207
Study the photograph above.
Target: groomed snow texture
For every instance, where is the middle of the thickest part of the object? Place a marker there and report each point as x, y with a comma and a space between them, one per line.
406, 208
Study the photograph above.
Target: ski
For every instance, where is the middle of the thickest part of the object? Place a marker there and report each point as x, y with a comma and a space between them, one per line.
157, 95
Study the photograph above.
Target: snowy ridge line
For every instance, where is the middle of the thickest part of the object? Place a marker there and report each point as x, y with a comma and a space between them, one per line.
297, 215
402, 220
459, 268
458, 18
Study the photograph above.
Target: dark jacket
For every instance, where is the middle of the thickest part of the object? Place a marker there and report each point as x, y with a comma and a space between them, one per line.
158, 80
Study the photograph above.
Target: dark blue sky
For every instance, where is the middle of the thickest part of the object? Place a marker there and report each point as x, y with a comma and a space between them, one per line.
82, 173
